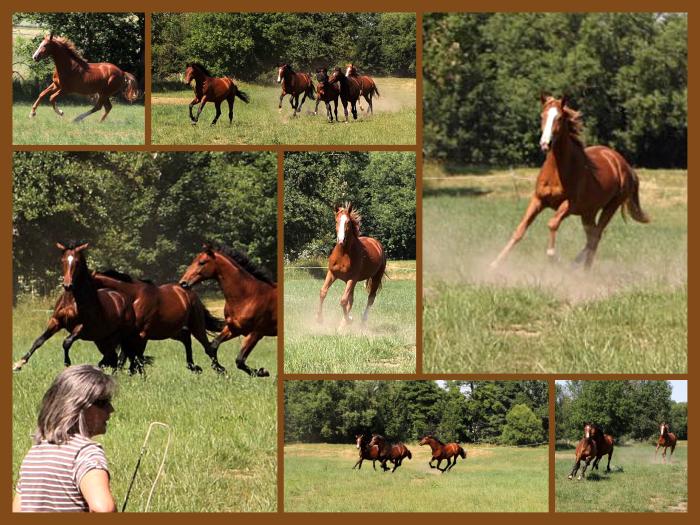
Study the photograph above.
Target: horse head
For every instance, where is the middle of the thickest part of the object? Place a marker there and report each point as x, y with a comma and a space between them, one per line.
377, 439
350, 70
73, 262
44, 48
663, 429
425, 440
322, 75
336, 76
551, 121
203, 267
588, 430
283, 71
189, 74
359, 440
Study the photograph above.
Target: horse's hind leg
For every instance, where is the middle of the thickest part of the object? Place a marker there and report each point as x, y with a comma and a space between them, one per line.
95, 108
231, 102
185, 337
533, 209
247, 346
51, 329
368, 98
108, 108
375, 283
52, 87
607, 469
330, 279
217, 105
303, 98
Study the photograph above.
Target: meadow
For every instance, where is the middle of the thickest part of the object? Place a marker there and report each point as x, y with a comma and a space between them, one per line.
318, 478
223, 455
260, 122
387, 344
627, 315
639, 482
124, 125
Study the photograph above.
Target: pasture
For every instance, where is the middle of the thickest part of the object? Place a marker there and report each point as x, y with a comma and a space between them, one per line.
627, 315
260, 122
387, 344
124, 125
223, 455
318, 478
638, 482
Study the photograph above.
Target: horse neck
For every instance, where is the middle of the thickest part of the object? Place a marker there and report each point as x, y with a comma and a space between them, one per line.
235, 282
434, 445
85, 291
568, 156
352, 242
63, 61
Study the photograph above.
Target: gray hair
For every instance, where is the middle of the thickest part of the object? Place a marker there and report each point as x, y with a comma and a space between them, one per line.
64, 404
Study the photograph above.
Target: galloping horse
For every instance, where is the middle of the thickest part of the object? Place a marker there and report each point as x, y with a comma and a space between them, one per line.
164, 312
349, 91
353, 259
442, 451
395, 452
74, 74
366, 452
367, 86
586, 450
294, 84
251, 300
604, 445
102, 316
212, 89
327, 93
577, 180
666, 439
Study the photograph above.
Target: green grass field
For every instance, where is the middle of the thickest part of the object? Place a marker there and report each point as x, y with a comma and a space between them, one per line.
387, 344
638, 482
223, 455
318, 478
124, 125
627, 315
260, 122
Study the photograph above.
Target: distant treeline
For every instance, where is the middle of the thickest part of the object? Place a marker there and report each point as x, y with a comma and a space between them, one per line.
250, 46
142, 213
483, 75
381, 186
504, 412
625, 409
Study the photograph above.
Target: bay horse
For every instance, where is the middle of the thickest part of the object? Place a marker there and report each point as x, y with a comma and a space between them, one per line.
326, 92
251, 300
349, 91
394, 452
86, 312
164, 312
577, 180
353, 259
367, 451
666, 439
208, 88
367, 86
294, 84
604, 446
449, 452
586, 451
74, 74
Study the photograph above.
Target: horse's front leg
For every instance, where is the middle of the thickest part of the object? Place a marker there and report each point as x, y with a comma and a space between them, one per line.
51, 329
68, 342
585, 466
438, 465
212, 348
553, 225
201, 107
575, 469
346, 301
52, 99
330, 279
318, 101
279, 108
344, 102
247, 346
303, 98
358, 464
195, 101
353, 106
52, 87
533, 209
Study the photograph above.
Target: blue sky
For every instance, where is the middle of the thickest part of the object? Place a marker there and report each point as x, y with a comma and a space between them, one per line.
679, 386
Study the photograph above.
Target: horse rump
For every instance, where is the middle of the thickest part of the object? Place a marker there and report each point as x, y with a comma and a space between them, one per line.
130, 91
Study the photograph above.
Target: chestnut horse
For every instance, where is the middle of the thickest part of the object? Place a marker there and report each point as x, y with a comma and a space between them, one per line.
368, 452
604, 446
327, 93
367, 86
251, 300
666, 439
352, 260
394, 452
349, 91
164, 312
74, 74
102, 316
586, 450
577, 180
212, 89
294, 84
450, 452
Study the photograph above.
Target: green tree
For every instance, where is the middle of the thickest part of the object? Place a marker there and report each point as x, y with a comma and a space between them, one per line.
522, 427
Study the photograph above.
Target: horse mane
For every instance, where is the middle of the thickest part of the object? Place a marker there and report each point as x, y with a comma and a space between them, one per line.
439, 442
199, 66
355, 219
124, 277
242, 260
71, 49
575, 124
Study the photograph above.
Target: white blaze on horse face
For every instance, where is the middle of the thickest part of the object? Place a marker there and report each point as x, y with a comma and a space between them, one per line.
341, 228
546, 138
347, 72
70, 261
39, 49
279, 75
588, 433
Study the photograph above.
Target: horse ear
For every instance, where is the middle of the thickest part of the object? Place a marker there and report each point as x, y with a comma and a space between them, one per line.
349, 208
50, 34
564, 101
82, 247
60, 247
543, 98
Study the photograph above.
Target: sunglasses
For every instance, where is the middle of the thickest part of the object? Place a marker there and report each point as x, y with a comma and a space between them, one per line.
102, 403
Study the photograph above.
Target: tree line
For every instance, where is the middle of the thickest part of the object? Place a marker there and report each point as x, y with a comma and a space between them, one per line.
625, 409
484, 73
118, 38
146, 214
380, 185
250, 46
500, 412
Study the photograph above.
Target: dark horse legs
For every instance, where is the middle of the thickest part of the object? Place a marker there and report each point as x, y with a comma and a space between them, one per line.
51, 329
576, 467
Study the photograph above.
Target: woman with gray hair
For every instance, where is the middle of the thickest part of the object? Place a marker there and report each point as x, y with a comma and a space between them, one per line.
65, 471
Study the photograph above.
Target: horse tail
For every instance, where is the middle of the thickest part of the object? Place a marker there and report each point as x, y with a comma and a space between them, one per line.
374, 89
410, 456
462, 453
211, 322
242, 95
130, 91
632, 202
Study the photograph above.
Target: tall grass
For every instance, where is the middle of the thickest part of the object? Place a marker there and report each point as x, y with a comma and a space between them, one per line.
223, 454
627, 315
260, 122
318, 478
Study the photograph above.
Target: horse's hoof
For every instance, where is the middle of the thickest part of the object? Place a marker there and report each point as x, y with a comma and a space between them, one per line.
60, 113
261, 372
32, 114
194, 123
195, 368
579, 478
218, 368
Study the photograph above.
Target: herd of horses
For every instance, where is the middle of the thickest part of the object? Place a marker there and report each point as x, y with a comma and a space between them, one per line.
595, 444
377, 448
114, 310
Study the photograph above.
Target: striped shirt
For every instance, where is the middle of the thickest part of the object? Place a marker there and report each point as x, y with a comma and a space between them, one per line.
49, 479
